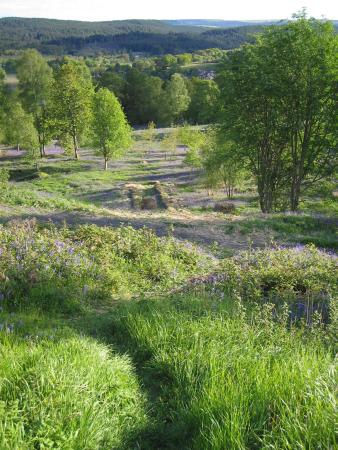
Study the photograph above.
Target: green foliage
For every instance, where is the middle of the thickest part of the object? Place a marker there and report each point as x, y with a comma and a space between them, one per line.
142, 97
35, 83
2, 85
19, 128
110, 129
283, 274
204, 97
113, 81
154, 37
59, 390
194, 141
4, 178
184, 58
175, 99
69, 268
149, 135
222, 164
305, 228
266, 92
169, 142
72, 100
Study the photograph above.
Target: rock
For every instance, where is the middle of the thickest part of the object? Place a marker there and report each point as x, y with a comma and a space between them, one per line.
149, 203
225, 207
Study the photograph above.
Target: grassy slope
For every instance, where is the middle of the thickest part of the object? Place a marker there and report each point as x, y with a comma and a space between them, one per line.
201, 373
201, 368
84, 192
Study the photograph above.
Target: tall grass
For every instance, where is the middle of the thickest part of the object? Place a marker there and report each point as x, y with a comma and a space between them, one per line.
229, 377
62, 391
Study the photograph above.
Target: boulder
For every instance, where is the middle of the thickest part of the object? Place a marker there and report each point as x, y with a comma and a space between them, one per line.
225, 207
149, 203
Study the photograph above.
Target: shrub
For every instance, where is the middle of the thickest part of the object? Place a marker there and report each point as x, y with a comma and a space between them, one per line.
54, 269
302, 273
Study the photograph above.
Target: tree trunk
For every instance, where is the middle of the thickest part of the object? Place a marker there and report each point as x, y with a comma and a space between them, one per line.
266, 196
76, 149
106, 164
42, 145
295, 194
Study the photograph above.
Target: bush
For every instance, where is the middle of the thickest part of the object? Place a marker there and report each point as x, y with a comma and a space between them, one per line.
68, 393
302, 273
65, 268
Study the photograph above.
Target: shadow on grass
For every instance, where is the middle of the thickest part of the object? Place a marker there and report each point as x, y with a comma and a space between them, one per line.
167, 427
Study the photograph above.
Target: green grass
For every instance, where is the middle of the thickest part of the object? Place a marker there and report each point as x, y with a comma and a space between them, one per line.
221, 363
113, 338
225, 377
303, 228
64, 391
65, 184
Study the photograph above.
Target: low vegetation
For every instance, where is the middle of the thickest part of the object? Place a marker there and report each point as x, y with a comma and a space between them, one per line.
60, 390
51, 269
224, 362
227, 375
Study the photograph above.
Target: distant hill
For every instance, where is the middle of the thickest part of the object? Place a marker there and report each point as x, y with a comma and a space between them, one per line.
150, 36
153, 37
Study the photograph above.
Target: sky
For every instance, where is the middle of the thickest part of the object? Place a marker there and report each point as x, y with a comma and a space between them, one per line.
173, 9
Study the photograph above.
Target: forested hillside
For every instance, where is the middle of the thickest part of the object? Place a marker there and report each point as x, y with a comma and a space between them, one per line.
149, 36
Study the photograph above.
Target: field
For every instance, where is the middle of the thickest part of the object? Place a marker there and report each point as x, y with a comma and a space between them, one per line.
81, 192
134, 316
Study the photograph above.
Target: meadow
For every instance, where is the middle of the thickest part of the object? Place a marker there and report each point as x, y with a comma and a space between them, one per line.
172, 327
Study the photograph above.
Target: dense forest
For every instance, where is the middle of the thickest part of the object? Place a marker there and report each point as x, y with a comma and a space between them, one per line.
58, 37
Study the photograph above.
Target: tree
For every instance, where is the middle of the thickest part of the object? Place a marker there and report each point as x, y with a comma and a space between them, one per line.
175, 99
2, 85
149, 134
35, 82
278, 97
169, 142
167, 61
142, 97
184, 59
19, 129
249, 116
194, 140
307, 67
111, 132
72, 96
113, 81
222, 165
2, 103
204, 98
